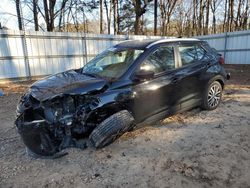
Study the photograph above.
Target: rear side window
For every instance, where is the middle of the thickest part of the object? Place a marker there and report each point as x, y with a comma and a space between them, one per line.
162, 59
191, 53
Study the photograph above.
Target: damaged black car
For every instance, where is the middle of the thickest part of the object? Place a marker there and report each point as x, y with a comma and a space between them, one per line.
134, 82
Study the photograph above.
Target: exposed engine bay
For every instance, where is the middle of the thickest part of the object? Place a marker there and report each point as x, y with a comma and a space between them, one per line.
57, 123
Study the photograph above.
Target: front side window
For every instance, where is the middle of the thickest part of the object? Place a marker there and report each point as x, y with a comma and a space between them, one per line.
191, 53
112, 63
160, 60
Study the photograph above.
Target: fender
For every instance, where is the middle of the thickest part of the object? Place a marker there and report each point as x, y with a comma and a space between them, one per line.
109, 103
214, 73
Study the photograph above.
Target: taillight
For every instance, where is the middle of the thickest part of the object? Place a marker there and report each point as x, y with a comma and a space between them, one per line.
221, 60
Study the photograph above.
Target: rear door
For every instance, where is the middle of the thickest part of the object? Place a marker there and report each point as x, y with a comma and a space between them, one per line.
193, 62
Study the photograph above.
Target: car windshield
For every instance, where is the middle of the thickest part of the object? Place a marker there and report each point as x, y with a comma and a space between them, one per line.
112, 63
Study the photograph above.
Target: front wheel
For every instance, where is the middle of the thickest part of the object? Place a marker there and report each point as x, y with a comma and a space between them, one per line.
111, 128
212, 96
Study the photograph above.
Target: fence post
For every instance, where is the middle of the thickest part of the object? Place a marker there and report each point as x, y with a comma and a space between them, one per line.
127, 37
86, 50
225, 46
25, 54
24, 44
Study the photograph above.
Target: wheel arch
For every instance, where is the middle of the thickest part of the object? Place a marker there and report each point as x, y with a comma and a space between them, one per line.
221, 82
219, 79
105, 111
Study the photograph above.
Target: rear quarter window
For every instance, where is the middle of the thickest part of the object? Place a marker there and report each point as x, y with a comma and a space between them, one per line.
212, 51
192, 53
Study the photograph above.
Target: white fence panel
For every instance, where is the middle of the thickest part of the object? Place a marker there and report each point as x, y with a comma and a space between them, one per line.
49, 53
234, 46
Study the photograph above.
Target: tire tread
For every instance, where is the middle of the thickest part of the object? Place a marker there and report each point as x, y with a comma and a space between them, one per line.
119, 122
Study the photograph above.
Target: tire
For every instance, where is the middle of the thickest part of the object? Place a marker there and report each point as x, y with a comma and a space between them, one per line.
212, 96
111, 128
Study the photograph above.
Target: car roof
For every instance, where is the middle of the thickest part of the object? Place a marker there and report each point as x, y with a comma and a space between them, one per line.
147, 43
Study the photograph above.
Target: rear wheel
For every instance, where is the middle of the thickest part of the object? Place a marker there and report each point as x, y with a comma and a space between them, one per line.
111, 128
212, 96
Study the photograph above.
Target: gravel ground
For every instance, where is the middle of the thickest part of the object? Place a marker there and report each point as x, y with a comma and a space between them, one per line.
193, 149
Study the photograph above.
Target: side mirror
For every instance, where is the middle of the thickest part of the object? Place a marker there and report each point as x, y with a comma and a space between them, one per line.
144, 74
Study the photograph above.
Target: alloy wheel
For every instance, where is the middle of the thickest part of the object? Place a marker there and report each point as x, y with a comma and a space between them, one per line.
214, 96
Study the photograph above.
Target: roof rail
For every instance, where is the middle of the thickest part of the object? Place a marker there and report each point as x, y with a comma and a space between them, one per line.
171, 40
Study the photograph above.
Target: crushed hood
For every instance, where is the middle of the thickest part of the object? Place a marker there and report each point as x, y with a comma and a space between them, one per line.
69, 82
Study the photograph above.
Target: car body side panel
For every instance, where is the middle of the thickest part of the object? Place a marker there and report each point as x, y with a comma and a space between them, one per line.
153, 96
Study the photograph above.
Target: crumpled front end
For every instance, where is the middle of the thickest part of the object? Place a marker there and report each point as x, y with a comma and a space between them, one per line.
50, 126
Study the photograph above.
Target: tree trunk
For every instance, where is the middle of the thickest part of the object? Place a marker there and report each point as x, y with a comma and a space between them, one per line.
52, 14
162, 13
207, 17
18, 12
225, 23
46, 14
170, 8
49, 14
231, 15
101, 16
110, 13
166, 9
194, 29
167, 26
139, 11
119, 4
237, 21
35, 14
214, 23
137, 16
201, 14
115, 3
245, 17
213, 8
107, 14
155, 17
62, 15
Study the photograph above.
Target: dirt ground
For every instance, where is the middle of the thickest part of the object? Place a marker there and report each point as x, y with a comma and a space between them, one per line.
193, 149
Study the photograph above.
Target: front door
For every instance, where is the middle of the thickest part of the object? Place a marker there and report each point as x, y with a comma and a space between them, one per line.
157, 94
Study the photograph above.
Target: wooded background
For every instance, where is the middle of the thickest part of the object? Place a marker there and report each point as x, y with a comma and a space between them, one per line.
139, 17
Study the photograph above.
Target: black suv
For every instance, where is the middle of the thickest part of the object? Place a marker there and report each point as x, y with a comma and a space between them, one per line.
131, 83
